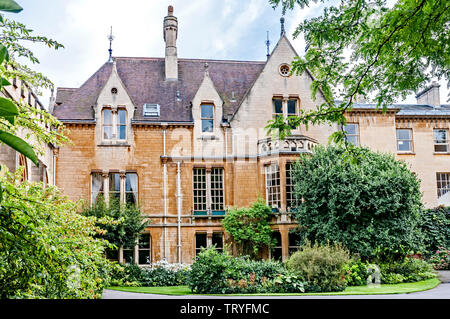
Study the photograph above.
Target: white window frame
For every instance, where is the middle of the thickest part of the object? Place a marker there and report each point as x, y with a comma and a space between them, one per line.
443, 183
212, 189
273, 185
446, 141
409, 140
356, 134
115, 123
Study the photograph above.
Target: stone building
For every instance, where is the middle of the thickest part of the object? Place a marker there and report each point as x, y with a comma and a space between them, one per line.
20, 91
185, 139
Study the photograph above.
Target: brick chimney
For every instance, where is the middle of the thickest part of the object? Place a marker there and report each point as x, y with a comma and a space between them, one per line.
170, 37
429, 95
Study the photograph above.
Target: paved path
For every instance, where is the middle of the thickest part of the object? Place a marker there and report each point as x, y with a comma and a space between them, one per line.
442, 291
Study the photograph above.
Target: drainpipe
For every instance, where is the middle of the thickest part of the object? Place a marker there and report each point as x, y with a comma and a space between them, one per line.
165, 197
179, 210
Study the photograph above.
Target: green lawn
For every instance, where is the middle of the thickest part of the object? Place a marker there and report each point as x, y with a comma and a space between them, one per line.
362, 290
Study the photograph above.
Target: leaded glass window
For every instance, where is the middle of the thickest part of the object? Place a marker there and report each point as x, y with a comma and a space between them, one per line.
273, 185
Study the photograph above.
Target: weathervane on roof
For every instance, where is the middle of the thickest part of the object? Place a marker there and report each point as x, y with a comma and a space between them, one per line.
110, 38
268, 45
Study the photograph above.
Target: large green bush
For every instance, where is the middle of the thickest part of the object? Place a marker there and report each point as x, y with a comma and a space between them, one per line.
407, 270
436, 229
370, 203
123, 223
321, 266
47, 250
220, 273
249, 228
356, 273
160, 274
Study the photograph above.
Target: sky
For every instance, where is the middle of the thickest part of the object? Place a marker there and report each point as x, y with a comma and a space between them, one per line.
209, 29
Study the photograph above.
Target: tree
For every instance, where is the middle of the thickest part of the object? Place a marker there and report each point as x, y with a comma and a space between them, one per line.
16, 115
122, 223
47, 250
366, 48
373, 206
249, 228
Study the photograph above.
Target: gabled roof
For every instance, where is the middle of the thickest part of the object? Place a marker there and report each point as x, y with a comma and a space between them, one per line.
145, 83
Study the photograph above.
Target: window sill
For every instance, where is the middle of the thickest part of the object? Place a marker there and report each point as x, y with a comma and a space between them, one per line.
441, 153
208, 137
406, 153
114, 144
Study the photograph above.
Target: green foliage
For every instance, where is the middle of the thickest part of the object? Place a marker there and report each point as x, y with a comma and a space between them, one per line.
371, 49
407, 270
436, 228
47, 250
249, 227
10, 6
161, 274
209, 272
220, 273
122, 223
441, 259
321, 266
16, 115
372, 206
356, 273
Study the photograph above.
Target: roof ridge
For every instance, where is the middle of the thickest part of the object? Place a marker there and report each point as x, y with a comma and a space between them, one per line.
194, 59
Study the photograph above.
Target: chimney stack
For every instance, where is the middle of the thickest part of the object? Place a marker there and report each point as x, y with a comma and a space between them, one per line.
429, 95
170, 37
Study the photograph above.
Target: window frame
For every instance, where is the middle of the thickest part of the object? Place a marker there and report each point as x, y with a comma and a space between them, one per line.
199, 249
119, 124
202, 118
441, 191
409, 140
446, 141
206, 191
147, 249
290, 198
273, 185
276, 114
109, 125
355, 134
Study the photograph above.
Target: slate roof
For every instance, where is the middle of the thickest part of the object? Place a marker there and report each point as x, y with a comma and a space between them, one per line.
144, 82
410, 109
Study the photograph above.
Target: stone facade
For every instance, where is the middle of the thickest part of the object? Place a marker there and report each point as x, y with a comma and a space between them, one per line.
208, 125
20, 91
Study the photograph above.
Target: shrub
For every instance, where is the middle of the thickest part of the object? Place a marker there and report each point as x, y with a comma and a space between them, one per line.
220, 273
356, 273
411, 269
321, 266
156, 275
209, 272
436, 229
355, 203
123, 223
391, 278
249, 228
47, 249
440, 260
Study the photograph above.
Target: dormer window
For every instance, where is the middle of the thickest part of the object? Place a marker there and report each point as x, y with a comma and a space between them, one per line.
151, 110
207, 117
114, 124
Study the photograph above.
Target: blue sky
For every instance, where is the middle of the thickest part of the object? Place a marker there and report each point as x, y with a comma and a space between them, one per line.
212, 29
